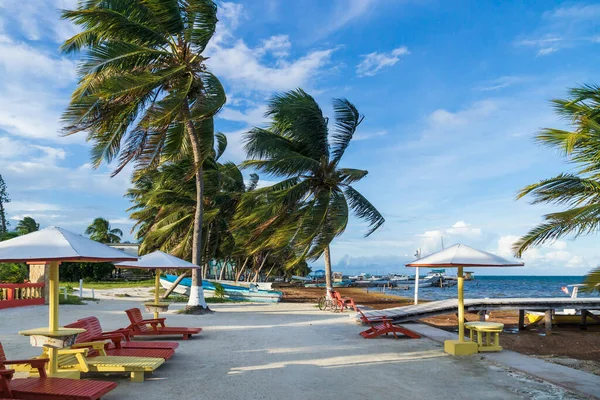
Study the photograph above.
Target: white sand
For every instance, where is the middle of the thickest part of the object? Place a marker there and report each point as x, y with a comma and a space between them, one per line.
289, 351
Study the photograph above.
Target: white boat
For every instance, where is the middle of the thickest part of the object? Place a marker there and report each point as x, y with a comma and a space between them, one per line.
231, 292
566, 316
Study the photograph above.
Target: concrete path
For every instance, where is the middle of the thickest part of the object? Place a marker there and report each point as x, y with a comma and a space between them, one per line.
292, 351
581, 382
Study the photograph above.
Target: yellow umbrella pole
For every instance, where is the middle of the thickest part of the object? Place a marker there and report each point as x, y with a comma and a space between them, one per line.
53, 315
156, 289
461, 306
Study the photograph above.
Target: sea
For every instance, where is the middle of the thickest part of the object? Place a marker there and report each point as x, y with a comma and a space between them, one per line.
500, 286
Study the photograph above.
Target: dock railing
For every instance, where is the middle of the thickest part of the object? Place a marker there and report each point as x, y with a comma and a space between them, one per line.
21, 294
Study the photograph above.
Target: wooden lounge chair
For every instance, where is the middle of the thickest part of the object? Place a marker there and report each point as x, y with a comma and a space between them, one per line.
45, 388
76, 360
113, 347
343, 301
155, 327
382, 325
94, 333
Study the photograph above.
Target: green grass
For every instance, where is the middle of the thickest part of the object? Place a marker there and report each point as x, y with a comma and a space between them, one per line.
110, 285
74, 300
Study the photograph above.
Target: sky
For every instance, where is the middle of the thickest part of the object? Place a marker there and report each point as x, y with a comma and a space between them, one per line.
452, 94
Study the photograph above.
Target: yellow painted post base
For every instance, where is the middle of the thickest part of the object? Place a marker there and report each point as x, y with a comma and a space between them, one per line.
457, 348
137, 376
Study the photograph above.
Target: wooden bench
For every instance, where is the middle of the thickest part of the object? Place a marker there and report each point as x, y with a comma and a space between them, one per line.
490, 329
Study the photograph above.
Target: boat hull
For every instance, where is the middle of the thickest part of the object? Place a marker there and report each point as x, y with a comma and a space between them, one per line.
560, 318
231, 292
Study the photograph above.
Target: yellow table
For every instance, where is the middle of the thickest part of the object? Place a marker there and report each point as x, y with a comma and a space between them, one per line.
489, 328
54, 339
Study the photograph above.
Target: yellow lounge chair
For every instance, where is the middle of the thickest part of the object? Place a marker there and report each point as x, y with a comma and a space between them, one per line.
75, 359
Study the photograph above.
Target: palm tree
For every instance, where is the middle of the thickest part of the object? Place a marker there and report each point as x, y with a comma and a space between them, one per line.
145, 94
310, 206
101, 231
27, 225
578, 191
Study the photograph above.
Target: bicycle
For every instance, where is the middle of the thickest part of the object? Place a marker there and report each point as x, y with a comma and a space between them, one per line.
325, 303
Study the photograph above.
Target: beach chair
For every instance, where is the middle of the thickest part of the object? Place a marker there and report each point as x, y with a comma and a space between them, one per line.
382, 325
343, 301
155, 327
45, 388
94, 333
112, 344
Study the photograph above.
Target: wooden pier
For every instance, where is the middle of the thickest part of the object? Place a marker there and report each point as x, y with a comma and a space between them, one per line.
548, 305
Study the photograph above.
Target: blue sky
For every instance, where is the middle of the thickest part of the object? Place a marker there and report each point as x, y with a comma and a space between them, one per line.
452, 93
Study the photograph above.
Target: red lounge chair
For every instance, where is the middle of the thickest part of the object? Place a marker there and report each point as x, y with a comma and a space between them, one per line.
94, 332
343, 301
383, 325
44, 388
155, 327
115, 349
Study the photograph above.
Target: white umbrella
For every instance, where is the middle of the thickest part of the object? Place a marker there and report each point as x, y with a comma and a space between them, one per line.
460, 256
157, 260
54, 245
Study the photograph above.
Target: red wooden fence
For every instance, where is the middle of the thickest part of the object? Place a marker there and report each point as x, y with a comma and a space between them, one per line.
21, 294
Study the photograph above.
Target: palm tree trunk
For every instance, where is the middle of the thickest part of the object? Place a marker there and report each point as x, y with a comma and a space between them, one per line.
328, 271
196, 300
174, 285
223, 268
239, 273
262, 264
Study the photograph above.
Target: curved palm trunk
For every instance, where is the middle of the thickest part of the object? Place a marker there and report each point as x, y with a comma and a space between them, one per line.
196, 299
174, 285
328, 272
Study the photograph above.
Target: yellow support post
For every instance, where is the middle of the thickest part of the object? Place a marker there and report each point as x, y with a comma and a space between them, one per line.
460, 347
156, 289
53, 315
461, 306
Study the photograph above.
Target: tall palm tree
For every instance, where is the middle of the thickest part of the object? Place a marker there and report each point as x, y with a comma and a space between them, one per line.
578, 191
101, 231
27, 225
144, 93
310, 206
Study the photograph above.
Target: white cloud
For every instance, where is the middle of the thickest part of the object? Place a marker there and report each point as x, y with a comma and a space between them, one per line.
243, 67
252, 116
575, 12
374, 62
30, 98
460, 232
37, 20
548, 257
278, 45
500, 83
546, 51
369, 135
346, 12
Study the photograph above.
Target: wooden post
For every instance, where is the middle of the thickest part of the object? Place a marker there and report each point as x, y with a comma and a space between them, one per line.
521, 320
583, 324
482, 315
156, 290
53, 315
548, 322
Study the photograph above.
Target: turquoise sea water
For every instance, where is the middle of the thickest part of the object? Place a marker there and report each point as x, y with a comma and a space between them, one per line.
502, 286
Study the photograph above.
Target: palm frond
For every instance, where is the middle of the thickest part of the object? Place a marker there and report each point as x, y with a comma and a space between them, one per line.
347, 119
364, 209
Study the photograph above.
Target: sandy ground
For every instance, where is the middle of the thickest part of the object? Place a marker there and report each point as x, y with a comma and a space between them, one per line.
567, 345
291, 351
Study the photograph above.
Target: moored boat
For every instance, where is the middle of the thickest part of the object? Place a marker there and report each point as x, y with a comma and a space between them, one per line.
232, 292
566, 316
